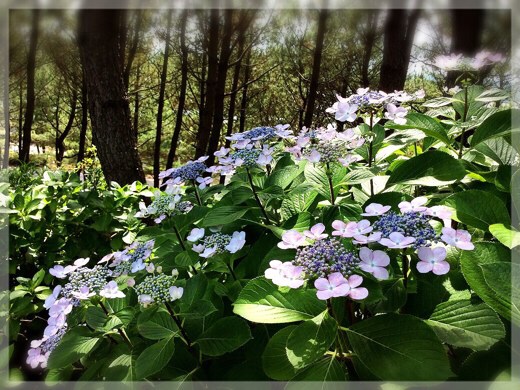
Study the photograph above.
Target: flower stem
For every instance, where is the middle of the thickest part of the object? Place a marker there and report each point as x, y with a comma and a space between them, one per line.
406, 267
179, 324
464, 118
371, 151
183, 245
331, 186
197, 195
257, 198
121, 332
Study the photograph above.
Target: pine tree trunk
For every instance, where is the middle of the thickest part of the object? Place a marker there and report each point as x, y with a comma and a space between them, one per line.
84, 121
31, 70
182, 92
60, 141
316, 66
158, 131
400, 29
243, 100
211, 82
112, 133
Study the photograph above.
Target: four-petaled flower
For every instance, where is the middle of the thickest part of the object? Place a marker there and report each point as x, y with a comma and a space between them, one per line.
285, 274
416, 205
335, 285
397, 114
375, 209
195, 234
457, 238
111, 290
432, 259
176, 292
316, 232
291, 239
397, 241
374, 262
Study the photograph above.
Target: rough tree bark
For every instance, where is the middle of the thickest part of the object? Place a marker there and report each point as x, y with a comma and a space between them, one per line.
160, 108
182, 91
60, 140
316, 66
207, 109
400, 29
112, 133
243, 100
84, 121
31, 70
134, 45
369, 41
220, 87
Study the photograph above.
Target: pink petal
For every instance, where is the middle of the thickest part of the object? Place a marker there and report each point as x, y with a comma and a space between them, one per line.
366, 267
449, 232
441, 268
380, 258
380, 273
396, 237
341, 291
355, 280
321, 284
336, 278
318, 229
467, 246
439, 253
324, 294
386, 242
358, 293
425, 254
424, 267
365, 253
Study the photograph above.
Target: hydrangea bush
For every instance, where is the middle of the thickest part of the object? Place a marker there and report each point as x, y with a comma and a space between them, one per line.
367, 253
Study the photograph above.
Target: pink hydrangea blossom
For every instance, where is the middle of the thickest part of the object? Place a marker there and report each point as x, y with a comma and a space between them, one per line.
291, 239
374, 262
316, 232
416, 205
397, 114
397, 241
111, 290
457, 238
285, 274
360, 239
375, 209
432, 260
335, 285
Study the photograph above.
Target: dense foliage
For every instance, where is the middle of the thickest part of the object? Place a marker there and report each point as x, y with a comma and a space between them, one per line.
379, 252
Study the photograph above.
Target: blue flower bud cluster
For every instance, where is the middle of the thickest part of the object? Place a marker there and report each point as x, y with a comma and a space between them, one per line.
51, 343
156, 286
183, 207
412, 224
249, 156
189, 171
364, 100
330, 151
94, 278
260, 133
219, 240
324, 257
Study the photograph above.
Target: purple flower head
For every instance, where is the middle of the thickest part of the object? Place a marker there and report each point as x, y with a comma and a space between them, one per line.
285, 274
397, 114
457, 238
374, 262
397, 241
360, 239
432, 259
111, 290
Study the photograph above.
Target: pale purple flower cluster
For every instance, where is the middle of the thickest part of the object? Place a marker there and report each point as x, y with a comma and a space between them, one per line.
164, 204
158, 288
190, 171
326, 145
215, 243
456, 61
321, 259
346, 109
130, 260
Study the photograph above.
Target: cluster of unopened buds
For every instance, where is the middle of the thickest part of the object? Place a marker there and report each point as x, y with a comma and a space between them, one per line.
215, 243
333, 268
165, 203
326, 145
365, 100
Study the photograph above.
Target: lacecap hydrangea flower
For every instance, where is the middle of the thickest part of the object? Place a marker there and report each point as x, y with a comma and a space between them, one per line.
164, 204
215, 242
131, 260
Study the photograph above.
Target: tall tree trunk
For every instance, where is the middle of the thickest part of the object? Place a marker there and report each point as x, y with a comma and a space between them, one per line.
112, 133
369, 41
60, 141
31, 70
316, 66
137, 99
84, 121
20, 118
400, 29
220, 88
134, 45
243, 100
211, 82
160, 108
182, 92
466, 25
234, 86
